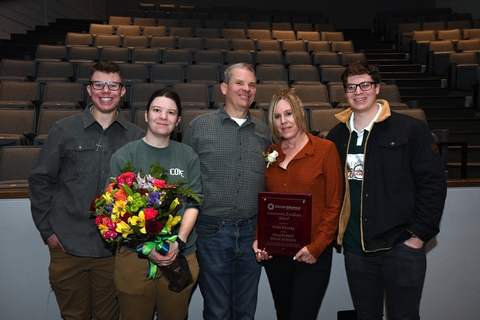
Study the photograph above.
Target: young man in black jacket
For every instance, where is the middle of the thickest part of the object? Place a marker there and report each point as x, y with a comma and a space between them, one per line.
395, 189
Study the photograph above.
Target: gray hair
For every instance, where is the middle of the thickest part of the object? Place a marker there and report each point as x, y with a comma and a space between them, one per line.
242, 65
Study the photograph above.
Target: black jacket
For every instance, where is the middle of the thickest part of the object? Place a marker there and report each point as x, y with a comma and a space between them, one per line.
404, 182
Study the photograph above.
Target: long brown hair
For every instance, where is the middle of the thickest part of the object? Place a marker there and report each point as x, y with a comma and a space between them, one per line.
290, 96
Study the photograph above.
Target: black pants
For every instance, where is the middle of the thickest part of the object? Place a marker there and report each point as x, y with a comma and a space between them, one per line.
398, 275
297, 287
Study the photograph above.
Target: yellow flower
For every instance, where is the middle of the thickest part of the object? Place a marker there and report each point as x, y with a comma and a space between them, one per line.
119, 207
172, 222
116, 217
173, 205
102, 228
139, 221
124, 229
107, 196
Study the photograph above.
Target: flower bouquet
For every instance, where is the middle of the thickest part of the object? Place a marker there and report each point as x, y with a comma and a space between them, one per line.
139, 209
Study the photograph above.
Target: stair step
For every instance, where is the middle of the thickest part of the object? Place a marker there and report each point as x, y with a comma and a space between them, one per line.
402, 75
455, 154
414, 82
399, 68
454, 171
434, 101
386, 56
471, 138
371, 46
423, 91
38, 38
455, 124
448, 112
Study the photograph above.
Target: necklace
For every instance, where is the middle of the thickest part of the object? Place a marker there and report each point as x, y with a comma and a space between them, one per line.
99, 143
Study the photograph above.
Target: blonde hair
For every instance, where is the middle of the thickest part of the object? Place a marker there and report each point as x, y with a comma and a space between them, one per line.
290, 96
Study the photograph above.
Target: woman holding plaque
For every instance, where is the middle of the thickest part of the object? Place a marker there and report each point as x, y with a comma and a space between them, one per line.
140, 297
301, 163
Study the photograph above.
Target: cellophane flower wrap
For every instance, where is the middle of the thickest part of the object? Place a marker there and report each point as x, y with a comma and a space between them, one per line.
139, 208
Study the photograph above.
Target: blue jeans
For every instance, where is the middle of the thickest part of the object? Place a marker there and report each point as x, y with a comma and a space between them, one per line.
398, 275
229, 271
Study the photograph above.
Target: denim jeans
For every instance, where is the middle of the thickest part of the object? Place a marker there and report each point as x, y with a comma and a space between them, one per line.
398, 275
229, 271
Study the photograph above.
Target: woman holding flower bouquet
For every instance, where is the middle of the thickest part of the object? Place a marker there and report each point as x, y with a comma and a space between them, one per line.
301, 163
139, 296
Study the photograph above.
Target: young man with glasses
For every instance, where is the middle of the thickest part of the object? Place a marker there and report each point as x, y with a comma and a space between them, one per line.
395, 190
69, 173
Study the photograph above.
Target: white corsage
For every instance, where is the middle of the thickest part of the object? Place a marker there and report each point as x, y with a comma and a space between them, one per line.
270, 157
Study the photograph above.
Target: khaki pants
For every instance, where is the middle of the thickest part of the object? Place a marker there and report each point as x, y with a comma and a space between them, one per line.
83, 287
139, 297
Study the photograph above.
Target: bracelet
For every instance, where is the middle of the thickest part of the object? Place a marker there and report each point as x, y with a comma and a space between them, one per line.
181, 245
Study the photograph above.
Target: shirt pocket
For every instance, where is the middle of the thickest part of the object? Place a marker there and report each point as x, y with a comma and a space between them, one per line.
393, 158
82, 155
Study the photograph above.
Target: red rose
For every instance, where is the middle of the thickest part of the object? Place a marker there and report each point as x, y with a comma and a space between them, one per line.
125, 217
98, 220
150, 213
154, 227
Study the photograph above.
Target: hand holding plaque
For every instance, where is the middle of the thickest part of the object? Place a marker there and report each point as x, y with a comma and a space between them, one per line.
284, 222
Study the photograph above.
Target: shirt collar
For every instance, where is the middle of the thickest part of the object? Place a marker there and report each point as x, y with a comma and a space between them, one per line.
88, 118
224, 115
369, 127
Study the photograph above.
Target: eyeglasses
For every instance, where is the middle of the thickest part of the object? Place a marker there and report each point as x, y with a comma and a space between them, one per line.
99, 85
364, 86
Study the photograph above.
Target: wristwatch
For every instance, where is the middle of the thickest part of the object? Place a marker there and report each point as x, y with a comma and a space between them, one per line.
181, 245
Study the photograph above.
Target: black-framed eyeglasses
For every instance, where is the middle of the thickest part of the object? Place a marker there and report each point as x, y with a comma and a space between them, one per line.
364, 86
112, 85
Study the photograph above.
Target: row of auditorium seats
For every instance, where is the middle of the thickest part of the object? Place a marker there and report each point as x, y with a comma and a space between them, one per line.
438, 53
122, 22
228, 33
441, 30
225, 17
264, 51
16, 161
173, 8
169, 74
231, 13
412, 41
462, 69
22, 126
199, 94
74, 43
403, 30
386, 22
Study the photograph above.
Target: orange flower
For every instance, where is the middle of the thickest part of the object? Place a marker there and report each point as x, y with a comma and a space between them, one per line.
120, 195
110, 187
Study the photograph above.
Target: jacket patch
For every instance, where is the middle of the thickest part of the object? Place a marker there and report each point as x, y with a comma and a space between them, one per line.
435, 148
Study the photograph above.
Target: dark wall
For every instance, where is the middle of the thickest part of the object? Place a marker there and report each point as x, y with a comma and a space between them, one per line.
344, 14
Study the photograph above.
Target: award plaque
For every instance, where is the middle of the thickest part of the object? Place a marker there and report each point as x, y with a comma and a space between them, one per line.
284, 222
